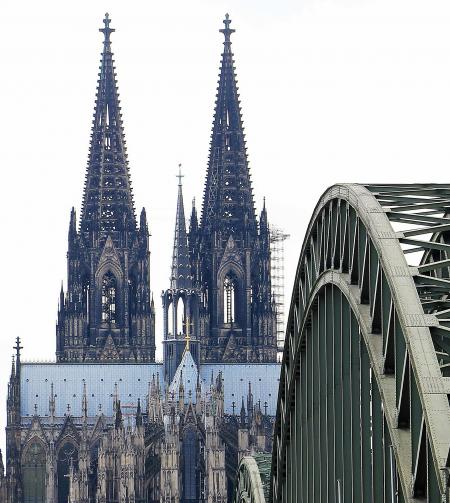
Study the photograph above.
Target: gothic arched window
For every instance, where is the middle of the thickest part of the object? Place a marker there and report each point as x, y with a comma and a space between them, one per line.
180, 316
109, 294
190, 465
93, 469
67, 456
33, 471
229, 295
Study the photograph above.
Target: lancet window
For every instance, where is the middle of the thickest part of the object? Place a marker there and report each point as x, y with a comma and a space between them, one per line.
109, 298
229, 295
33, 470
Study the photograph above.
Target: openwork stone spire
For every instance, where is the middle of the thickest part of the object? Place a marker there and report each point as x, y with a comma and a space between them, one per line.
228, 199
181, 270
108, 200
107, 312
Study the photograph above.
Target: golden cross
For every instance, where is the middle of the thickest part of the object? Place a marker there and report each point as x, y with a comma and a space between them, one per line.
188, 335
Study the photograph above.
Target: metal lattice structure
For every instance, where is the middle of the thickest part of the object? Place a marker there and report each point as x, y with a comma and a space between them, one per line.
277, 239
363, 408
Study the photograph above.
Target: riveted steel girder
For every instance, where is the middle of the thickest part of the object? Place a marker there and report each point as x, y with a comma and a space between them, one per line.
363, 409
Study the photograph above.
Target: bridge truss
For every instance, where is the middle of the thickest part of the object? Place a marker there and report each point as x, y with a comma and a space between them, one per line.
363, 408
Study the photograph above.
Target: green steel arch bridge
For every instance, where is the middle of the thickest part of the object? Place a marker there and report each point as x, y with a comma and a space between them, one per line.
363, 407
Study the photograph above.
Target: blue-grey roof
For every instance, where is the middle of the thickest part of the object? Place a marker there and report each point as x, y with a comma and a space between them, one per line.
188, 372
68, 380
132, 383
264, 379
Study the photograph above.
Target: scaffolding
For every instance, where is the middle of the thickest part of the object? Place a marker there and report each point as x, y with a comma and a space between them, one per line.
277, 239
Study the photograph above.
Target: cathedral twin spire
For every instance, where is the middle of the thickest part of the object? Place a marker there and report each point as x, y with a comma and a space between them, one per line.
108, 205
228, 198
107, 312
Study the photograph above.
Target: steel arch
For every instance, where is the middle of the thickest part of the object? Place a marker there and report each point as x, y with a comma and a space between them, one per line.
368, 328
249, 488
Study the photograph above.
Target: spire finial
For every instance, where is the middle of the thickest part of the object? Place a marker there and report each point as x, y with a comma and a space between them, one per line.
18, 347
179, 176
107, 30
227, 31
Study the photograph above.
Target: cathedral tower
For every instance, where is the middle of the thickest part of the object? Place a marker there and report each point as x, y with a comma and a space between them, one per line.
181, 301
107, 312
230, 250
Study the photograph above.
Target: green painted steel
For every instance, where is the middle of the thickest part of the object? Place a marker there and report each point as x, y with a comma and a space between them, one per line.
249, 487
363, 408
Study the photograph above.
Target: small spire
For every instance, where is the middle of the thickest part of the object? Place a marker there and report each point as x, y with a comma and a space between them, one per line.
193, 223
158, 385
118, 422
181, 268
138, 413
18, 347
51, 404
84, 404
179, 176
73, 224
227, 31
143, 221
2, 467
106, 30
242, 412
13, 366
181, 386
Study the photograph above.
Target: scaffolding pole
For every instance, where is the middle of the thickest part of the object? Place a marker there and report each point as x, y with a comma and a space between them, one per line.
277, 239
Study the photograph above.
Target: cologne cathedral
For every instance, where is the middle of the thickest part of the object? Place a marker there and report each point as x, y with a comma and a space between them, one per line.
106, 423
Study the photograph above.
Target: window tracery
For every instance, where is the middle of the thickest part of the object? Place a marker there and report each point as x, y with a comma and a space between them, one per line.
229, 294
33, 470
109, 296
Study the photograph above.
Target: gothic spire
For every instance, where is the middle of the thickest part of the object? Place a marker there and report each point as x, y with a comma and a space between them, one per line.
181, 270
139, 413
228, 198
108, 200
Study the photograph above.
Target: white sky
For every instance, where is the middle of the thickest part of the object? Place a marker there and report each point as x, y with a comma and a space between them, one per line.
331, 91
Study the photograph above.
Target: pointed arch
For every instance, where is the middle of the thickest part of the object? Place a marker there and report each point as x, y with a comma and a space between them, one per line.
109, 298
231, 292
190, 464
93, 468
67, 455
33, 472
229, 298
180, 314
170, 317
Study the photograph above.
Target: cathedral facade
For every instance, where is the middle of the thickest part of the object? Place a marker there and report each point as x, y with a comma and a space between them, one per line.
107, 423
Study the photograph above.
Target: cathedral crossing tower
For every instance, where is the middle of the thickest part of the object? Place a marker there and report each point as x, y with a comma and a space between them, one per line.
107, 312
230, 250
